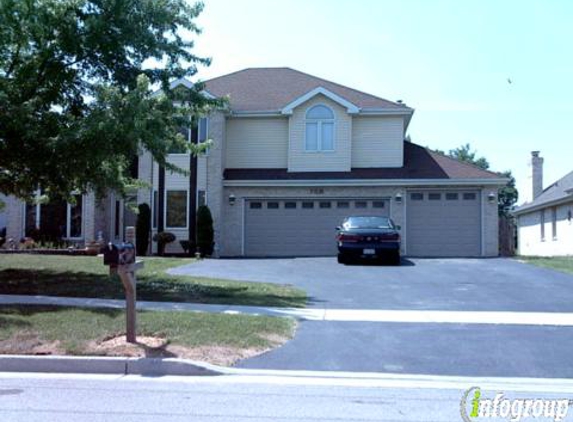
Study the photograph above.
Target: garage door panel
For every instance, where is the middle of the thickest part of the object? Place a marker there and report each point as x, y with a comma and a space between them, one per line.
444, 227
301, 231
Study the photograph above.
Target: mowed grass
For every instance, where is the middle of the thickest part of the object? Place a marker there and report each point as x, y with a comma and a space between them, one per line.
81, 276
75, 331
561, 263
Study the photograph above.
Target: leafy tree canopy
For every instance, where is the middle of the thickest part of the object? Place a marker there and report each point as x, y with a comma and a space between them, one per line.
507, 195
76, 101
464, 153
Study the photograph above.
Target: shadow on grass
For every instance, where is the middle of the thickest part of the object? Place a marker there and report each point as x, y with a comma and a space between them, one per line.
157, 287
30, 310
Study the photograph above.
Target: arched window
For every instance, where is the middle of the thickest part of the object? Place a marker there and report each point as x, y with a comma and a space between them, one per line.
319, 131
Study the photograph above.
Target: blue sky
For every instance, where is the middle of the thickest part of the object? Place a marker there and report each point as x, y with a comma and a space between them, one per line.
450, 60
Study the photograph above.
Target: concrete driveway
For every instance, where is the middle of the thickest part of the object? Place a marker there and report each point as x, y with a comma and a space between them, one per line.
466, 285
418, 284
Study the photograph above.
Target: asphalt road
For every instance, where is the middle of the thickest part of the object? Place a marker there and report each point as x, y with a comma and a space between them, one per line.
437, 284
437, 349
56, 398
465, 285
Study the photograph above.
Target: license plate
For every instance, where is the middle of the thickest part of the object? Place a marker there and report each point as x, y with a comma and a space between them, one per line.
369, 251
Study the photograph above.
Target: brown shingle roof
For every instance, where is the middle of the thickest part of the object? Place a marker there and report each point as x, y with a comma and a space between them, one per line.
271, 89
419, 163
558, 191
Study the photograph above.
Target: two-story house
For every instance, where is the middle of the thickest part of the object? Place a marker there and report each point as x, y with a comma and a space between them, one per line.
294, 154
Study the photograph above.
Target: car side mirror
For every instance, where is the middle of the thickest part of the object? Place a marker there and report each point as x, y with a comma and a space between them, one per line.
338, 228
398, 227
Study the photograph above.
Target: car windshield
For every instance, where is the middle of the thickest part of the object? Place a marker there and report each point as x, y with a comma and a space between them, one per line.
367, 223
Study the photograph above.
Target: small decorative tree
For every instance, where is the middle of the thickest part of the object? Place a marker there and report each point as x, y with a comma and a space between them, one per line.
143, 227
205, 232
162, 239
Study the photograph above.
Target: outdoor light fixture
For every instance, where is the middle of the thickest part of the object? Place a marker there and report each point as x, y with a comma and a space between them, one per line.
398, 197
491, 197
232, 199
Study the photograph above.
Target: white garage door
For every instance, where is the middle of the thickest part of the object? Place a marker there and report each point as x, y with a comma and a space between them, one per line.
444, 224
301, 227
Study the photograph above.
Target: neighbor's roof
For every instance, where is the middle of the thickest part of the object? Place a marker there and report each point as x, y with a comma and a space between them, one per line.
271, 89
557, 192
419, 163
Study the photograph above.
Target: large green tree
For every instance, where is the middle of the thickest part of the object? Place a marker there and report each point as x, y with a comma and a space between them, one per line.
507, 195
76, 79
464, 153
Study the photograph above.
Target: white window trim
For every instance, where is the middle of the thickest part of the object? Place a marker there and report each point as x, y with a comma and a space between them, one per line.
186, 207
319, 123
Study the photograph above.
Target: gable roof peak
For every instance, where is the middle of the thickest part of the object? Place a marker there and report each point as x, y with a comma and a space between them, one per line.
270, 89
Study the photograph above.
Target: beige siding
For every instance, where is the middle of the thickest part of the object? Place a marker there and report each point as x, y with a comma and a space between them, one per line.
490, 227
15, 218
257, 142
377, 142
145, 172
337, 160
529, 232
176, 180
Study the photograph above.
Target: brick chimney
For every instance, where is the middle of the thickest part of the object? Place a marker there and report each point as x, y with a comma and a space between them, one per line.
536, 174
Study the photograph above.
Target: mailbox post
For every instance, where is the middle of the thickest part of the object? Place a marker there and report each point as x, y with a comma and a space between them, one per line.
121, 260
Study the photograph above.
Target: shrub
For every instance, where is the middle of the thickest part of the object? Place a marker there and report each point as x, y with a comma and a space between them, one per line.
205, 232
142, 229
162, 239
187, 246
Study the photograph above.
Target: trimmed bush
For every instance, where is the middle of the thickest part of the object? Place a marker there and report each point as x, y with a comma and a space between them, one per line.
205, 232
162, 239
142, 229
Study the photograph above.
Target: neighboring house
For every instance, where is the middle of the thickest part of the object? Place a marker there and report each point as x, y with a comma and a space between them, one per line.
292, 155
545, 225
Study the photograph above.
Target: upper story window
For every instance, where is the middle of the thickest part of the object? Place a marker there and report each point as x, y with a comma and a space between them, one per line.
196, 132
319, 131
203, 129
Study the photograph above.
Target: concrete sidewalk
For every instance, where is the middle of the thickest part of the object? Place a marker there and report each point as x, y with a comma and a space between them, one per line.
300, 313
559, 319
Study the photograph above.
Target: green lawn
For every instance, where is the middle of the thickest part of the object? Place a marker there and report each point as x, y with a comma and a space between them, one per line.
218, 338
81, 276
563, 263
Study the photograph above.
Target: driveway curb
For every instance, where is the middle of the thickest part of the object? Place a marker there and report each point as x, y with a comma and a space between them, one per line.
107, 365
181, 367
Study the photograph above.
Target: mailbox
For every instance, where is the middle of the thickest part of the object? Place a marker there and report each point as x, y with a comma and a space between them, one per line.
120, 257
119, 254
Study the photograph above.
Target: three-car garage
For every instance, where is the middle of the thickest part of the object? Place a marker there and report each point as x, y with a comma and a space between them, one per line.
435, 223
